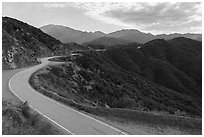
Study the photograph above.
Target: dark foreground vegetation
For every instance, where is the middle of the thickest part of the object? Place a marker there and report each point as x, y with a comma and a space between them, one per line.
22, 120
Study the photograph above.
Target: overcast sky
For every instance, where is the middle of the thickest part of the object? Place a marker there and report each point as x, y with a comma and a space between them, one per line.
155, 18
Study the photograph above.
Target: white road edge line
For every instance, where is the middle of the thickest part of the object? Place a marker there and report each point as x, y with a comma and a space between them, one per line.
68, 108
39, 111
80, 112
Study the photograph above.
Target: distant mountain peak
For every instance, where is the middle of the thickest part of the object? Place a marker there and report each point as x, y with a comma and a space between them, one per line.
127, 31
134, 30
67, 34
55, 26
98, 32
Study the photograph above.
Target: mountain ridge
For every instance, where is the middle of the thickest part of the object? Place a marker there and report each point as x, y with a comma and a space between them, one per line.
126, 34
67, 34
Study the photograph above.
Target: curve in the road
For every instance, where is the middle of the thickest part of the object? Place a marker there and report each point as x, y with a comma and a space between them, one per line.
74, 122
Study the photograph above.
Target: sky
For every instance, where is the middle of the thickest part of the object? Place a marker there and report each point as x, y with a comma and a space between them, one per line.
155, 18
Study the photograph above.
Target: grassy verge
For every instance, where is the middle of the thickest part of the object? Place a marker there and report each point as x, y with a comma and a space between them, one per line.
21, 120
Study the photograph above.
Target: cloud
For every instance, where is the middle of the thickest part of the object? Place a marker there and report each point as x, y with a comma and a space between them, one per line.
99, 11
54, 5
161, 17
152, 17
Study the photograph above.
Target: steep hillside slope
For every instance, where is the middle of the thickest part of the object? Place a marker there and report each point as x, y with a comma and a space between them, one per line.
166, 63
65, 49
22, 43
153, 77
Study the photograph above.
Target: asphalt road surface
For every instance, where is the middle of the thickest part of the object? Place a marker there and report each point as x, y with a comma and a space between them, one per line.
74, 122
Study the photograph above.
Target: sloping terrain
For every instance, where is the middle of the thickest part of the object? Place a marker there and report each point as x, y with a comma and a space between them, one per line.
64, 49
66, 35
171, 64
106, 42
153, 77
132, 35
22, 43
197, 37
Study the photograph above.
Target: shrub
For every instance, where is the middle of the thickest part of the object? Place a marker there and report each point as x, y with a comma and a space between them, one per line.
25, 109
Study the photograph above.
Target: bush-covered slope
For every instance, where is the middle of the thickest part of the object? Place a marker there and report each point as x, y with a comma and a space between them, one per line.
22, 43
128, 77
164, 62
64, 49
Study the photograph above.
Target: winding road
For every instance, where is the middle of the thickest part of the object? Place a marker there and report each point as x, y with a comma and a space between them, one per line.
74, 122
